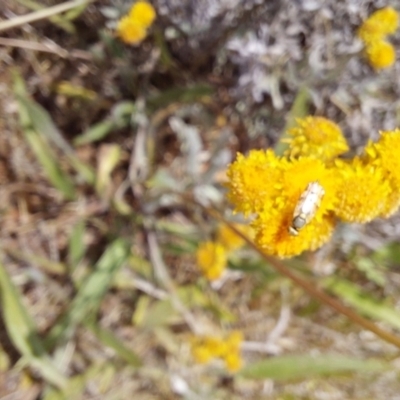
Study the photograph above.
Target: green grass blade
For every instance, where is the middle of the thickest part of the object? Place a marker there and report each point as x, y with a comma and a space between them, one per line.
44, 125
76, 245
110, 340
22, 331
58, 178
363, 302
304, 366
120, 117
87, 300
52, 267
95, 133
35, 118
180, 95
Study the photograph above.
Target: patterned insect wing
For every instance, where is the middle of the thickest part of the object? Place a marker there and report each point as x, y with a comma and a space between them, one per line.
306, 207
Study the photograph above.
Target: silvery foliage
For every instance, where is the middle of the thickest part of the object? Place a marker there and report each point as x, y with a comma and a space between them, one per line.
277, 35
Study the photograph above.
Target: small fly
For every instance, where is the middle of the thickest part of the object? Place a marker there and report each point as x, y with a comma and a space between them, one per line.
306, 207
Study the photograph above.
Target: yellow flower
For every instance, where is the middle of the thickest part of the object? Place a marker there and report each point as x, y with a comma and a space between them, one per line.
363, 192
270, 188
373, 31
381, 23
314, 187
211, 259
200, 351
272, 224
233, 362
205, 348
229, 239
385, 155
129, 31
316, 137
272, 233
254, 181
380, 54
143, 13
132, 28
299, 174
232, 358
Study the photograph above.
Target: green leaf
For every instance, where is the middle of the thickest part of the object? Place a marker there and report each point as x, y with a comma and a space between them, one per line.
77, 385
76, 246
304, 366
95, 132
22, 331
74, 13
40, 147
363, 302
180, 95
41, 131
110, 340
58, 178
370, 269
91, 292
160, 313
53, 267
120, 117
109, 155
387, 256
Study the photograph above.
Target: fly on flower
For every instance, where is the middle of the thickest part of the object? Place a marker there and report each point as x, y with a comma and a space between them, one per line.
306, 207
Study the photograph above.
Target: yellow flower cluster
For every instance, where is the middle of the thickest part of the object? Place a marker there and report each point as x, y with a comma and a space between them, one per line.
316, 137
378, 25
295, 200
205, 348
383, 156
212, 256
132, 28
373, 32
211, 259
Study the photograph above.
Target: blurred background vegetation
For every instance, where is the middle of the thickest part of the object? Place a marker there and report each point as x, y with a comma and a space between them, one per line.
109, 152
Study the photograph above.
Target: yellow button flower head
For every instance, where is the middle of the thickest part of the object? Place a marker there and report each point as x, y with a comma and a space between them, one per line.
272, 225
211, 259
385, 155
254, 181
299, 174
316, 137
233, 360
381, 23
272, 234
294, 202
380, 54
203, 348
363, 192
143, 13
207, 347
132, 28
373, 32
130, 32
280, 185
